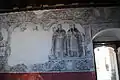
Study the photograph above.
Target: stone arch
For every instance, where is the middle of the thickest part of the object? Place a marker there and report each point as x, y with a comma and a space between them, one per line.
111, 34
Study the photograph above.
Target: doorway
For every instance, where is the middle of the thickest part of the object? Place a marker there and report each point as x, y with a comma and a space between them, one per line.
106, 60
106, 45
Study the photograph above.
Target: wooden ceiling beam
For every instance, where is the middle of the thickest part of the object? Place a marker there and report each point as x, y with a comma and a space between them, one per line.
20, 5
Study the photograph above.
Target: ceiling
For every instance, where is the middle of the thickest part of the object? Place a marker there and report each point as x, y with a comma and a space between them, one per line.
18, 5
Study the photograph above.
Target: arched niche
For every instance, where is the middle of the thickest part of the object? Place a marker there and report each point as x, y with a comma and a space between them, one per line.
66, 26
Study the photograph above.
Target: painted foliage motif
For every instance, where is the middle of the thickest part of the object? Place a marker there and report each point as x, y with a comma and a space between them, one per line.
64, 46
48, 40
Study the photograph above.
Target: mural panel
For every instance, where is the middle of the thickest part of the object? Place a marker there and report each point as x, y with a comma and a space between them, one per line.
52, 44
59, 48
46, 41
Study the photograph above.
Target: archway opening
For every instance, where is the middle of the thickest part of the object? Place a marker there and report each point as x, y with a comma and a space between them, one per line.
106, 58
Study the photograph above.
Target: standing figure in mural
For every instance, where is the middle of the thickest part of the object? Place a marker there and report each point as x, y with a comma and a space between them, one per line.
74, 42
1, 37
59, 42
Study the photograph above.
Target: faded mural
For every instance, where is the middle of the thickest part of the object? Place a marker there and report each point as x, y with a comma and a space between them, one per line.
58, 40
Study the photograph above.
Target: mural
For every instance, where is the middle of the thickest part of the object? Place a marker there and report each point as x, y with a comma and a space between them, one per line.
52, 41
67, 50
65, 47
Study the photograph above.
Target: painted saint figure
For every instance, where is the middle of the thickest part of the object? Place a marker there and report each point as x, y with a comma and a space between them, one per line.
74, 42
1, 37
59, 42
